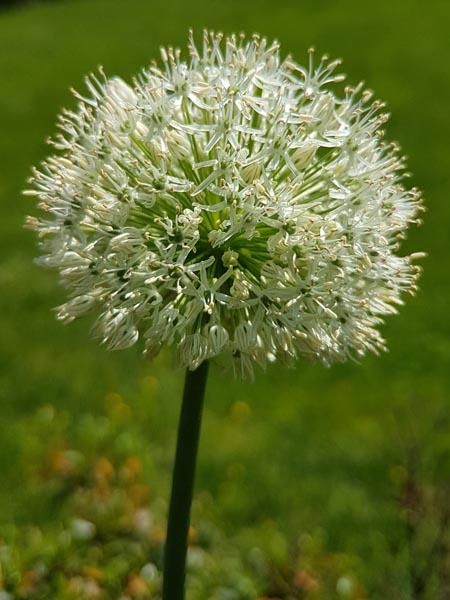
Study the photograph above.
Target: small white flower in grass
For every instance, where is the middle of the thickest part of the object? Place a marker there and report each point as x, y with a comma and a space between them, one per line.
82, 529
231, 202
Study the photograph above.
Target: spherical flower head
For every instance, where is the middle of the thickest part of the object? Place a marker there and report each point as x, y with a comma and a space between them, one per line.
228, 203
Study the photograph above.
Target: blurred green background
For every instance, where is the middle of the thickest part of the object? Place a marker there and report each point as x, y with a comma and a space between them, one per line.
353, 461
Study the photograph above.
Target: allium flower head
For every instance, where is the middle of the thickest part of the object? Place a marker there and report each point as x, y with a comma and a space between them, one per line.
231, 202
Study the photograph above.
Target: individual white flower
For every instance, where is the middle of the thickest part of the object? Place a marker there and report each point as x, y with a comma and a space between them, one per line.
231, 202
82, 529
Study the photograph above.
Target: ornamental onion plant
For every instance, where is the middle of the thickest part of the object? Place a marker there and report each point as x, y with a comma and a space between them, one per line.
235, 205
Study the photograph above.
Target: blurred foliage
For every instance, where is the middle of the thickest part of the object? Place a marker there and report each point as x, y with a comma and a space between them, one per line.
91, 489
338, 478
96, 479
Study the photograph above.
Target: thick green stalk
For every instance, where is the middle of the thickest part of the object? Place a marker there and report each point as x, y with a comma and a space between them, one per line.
183, 483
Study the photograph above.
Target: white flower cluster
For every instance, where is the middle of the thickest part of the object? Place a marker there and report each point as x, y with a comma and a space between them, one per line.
228, 203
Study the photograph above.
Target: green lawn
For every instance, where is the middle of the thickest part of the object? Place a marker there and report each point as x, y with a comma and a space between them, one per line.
327, 453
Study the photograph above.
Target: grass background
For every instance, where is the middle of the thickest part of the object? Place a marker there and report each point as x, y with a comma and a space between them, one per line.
322, 451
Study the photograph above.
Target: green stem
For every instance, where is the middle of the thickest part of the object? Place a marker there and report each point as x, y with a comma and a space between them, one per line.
183, 483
